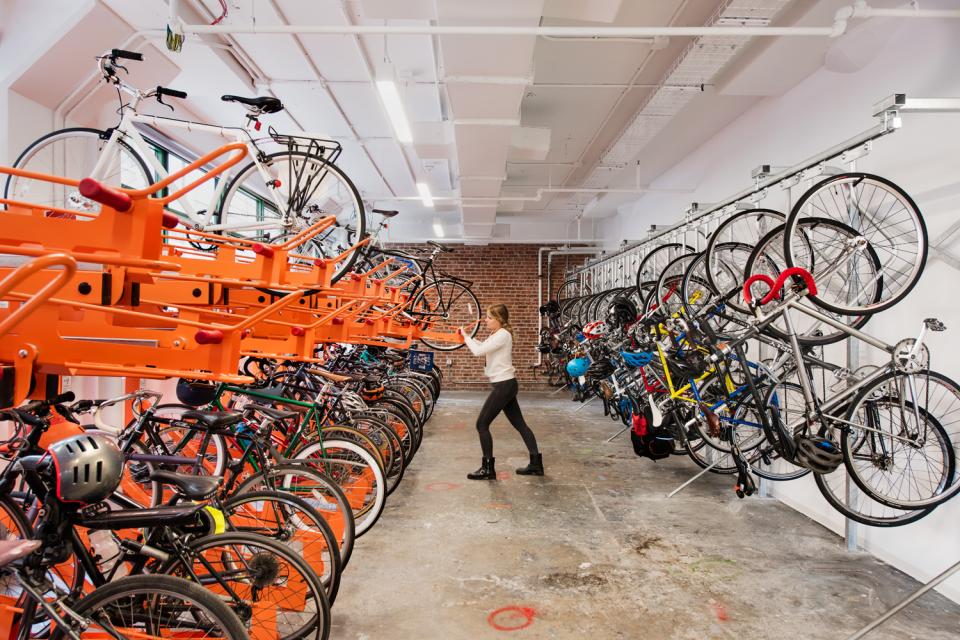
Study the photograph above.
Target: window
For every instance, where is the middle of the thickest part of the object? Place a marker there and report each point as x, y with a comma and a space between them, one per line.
245, 207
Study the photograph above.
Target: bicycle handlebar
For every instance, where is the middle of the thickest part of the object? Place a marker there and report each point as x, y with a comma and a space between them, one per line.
776, 287
173, 93
127, 55
139, 394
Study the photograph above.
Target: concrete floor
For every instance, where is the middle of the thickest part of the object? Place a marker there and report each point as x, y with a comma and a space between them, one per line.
595, 550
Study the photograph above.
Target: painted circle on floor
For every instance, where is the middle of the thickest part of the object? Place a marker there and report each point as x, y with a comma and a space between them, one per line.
442, 486
497, 505
511, 618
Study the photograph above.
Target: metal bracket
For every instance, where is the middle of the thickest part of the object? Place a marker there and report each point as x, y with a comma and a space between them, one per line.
900, 103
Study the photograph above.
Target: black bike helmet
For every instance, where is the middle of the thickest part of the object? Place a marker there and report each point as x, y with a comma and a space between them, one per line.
599, 369
88, 468
818, 454
196, 393
622, 312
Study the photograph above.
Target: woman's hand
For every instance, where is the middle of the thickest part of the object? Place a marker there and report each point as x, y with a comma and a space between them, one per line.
461, 331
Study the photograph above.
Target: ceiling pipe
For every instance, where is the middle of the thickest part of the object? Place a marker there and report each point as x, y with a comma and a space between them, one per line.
562, 250
595, 34
859, 9
538, 197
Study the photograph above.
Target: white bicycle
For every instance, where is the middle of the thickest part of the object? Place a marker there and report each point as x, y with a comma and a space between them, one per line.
270, 199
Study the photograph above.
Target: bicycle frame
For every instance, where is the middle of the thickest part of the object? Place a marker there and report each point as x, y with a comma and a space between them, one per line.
127, 131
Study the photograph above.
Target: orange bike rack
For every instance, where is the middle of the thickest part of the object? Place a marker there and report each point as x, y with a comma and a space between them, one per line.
126, 292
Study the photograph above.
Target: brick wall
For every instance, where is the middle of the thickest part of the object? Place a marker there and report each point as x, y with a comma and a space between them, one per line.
506, 274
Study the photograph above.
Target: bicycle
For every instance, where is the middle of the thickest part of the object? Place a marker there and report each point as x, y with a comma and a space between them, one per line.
439, 300
271, 198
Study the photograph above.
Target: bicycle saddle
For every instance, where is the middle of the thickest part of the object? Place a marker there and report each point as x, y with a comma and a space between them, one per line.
192, 487
385, 212
213, 419
437, 245
270, 412
263, 104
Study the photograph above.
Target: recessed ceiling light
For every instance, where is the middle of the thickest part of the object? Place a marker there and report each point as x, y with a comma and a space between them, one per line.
425, 194
394, 106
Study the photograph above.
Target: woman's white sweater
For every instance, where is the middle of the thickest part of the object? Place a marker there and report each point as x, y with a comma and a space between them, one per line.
498, 348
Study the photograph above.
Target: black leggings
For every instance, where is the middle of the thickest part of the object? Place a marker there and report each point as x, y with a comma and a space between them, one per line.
503, 397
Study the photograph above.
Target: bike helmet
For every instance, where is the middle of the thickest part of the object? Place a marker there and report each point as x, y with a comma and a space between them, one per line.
595, 330
578, 367
818, 454
622, 312
638, 359
88, 468
372, 390
196, 393
600, 369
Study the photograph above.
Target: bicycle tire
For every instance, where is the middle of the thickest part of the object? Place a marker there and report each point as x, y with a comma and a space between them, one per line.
331, 503
344, 266
307, 519
212, 607
759, 256
873, 231
471, 314
946, 437
315, 592
350, 454
22, 161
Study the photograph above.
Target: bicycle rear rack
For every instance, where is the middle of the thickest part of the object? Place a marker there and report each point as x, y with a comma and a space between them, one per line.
329, 150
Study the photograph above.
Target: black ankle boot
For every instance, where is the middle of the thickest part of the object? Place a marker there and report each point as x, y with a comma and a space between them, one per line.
485, 472
535, 468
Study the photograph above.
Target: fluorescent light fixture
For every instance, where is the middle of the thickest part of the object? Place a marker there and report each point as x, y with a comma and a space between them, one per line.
425, 194
437, 228
394, 106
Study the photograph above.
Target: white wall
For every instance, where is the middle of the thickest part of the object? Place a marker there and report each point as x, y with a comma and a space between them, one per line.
919, 59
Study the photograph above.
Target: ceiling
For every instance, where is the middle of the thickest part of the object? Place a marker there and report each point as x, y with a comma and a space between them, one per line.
517, 137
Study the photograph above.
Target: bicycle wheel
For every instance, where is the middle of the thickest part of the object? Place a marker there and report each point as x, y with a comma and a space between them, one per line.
73, 153
395, 268
356, 472
272, 589
666, 295
309, 188
419, 399
823, 241
155, 606
902, 451
653, 264
860, 507
785, 404
291, 520
880, 213
744, 228
320, 492
443, 306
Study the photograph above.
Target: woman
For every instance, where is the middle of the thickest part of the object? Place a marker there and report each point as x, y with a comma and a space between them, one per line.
499, 369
